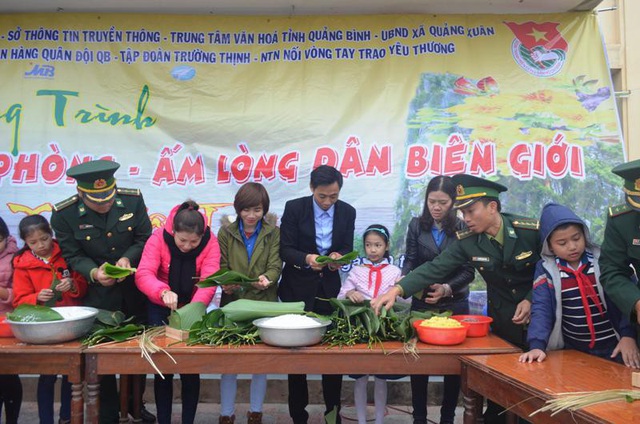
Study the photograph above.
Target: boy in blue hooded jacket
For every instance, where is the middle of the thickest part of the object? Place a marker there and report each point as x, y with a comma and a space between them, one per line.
570, 309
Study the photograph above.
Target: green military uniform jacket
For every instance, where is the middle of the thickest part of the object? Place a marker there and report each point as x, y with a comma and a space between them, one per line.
265, 260
620, 251
508, 272
89, 239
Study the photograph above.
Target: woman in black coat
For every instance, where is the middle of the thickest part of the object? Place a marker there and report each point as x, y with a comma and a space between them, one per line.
427, 237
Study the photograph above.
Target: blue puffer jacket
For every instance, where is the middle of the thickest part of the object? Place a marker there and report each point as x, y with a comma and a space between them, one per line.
545, 330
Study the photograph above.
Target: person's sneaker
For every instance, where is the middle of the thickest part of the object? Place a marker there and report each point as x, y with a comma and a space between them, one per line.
254, 417
225, 419
146, 416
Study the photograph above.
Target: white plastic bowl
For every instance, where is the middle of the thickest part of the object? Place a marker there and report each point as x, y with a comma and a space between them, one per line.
291, 337
76, 322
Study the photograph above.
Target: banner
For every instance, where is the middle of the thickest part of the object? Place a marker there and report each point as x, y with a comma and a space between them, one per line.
195, 106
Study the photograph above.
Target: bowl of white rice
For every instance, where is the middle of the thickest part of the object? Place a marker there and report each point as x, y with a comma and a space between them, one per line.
291, 330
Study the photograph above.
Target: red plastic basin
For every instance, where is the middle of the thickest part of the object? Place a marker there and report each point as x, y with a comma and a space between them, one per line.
5, 328
441, 336
478, 324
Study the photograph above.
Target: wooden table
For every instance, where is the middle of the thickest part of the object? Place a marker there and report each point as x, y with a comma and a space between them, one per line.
524, 388
125, 358
17, 357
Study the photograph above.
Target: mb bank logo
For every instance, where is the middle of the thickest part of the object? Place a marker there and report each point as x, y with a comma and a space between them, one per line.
41, 71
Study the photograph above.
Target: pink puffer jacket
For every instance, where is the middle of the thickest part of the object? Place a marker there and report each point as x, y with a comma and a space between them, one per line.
152, 276
6, 273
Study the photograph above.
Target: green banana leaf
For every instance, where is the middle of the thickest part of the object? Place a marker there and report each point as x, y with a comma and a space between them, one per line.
116, 334
183, 318
224, 277
110, 318
117, 271
346, 259
57, 296
33, 313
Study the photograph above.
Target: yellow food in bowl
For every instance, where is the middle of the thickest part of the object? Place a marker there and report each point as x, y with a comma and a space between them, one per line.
440, 322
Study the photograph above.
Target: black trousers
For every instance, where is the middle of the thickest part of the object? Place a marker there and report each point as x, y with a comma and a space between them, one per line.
419, 390
299, 396
10, 397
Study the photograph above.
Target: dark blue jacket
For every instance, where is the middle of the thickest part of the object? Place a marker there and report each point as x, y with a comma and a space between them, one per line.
545, 330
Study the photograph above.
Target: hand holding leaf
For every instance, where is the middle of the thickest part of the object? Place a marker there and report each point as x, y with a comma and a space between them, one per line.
116, 272
344, 260
226, 277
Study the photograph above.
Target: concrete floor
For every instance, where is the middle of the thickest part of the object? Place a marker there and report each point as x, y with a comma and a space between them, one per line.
273, 413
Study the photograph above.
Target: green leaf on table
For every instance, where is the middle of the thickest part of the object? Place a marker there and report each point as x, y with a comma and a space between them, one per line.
346, 259
116, 334
183, 318
110, 318
247, 309
33, 313
226, 277
116, 272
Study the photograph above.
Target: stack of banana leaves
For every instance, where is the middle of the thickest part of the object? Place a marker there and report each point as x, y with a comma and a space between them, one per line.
233, 323
355, 323
112, 327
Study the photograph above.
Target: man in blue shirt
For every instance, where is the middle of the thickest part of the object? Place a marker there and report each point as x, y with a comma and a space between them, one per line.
312, 226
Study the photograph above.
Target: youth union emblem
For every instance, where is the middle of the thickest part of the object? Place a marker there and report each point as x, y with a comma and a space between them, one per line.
538, 48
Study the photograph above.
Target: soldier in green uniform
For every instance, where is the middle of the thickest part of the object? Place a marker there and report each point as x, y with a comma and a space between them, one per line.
103, 224
621, 245
502, 247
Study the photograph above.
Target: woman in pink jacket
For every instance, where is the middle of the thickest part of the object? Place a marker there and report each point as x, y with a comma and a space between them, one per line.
183, 249
10, 385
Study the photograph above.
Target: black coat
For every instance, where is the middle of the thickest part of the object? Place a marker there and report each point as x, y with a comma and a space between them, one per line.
297, 240
422, 248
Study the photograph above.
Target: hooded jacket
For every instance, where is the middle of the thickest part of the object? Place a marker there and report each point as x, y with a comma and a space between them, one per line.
545, 330
31, 275
6, 272
152, 275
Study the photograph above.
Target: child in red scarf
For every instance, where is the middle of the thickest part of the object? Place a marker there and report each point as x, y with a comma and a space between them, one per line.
375, 276
570, 309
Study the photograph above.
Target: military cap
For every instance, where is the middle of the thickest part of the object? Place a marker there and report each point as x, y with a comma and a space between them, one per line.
95, 179
470, 188
630, 172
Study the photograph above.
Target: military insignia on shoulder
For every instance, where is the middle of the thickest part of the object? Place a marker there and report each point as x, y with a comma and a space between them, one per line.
129, 191
463, 234
619, 210
65, 203
526, 223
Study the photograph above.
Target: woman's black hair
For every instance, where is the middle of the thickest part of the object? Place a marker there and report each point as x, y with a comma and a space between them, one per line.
382, 231
188, 219
4, 230
444, 184
28, 225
